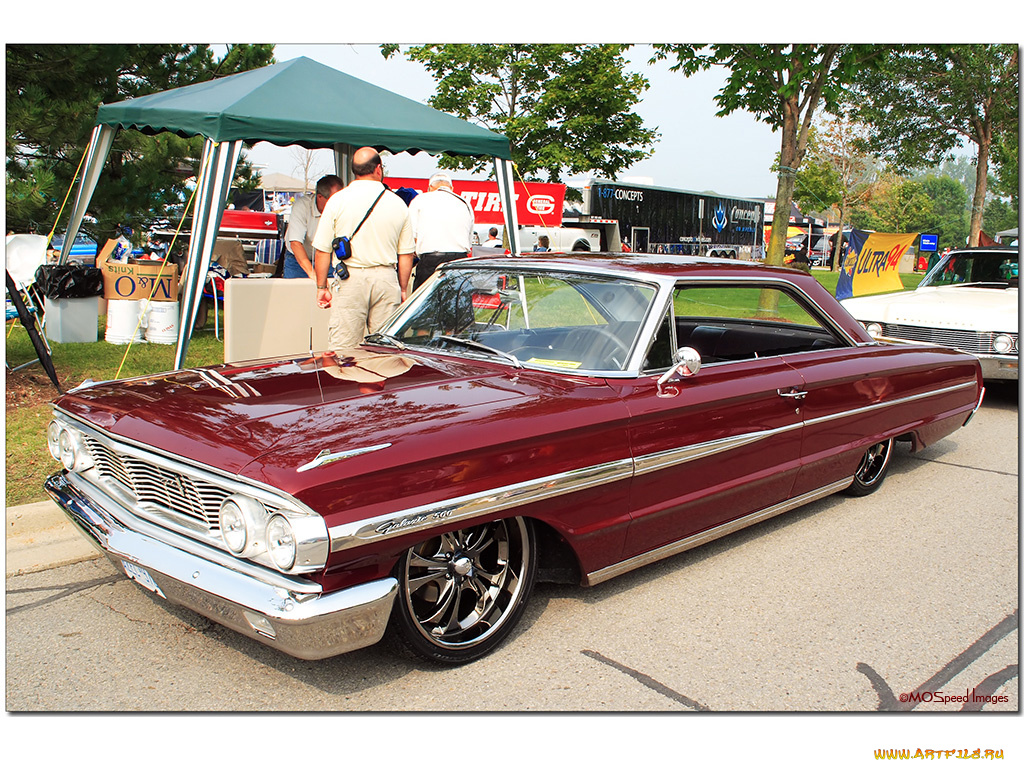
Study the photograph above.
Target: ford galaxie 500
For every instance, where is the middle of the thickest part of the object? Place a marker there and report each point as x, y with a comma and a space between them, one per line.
518, 419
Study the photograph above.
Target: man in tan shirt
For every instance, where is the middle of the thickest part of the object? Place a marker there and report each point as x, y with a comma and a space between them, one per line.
374, 289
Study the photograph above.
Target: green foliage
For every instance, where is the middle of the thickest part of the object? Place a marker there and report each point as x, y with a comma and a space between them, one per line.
53, 93
781, 85
932, 204
769, 80
999, 216
566, 109
818, 185
950, 211
929, 99
925, 101
1006, 181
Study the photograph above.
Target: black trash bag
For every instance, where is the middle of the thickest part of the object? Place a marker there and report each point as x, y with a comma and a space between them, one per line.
69, 281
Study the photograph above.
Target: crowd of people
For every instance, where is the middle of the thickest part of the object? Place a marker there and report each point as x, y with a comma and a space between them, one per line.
361, 244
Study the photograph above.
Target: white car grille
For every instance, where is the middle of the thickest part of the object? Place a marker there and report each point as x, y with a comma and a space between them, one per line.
975, 342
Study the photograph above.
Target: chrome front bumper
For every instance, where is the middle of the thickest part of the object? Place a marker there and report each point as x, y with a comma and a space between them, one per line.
1000, 367
302, 623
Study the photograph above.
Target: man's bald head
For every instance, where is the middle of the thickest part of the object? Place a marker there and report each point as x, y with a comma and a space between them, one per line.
365, 162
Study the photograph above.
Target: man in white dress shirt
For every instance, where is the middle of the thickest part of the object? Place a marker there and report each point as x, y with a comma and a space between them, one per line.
442, 225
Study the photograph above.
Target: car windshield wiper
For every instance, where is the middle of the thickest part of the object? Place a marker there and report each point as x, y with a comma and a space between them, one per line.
385, 340
470, 343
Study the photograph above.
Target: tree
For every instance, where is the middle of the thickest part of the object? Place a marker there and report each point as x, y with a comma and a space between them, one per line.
837, 173
783, 86
927, 100
53, 93
305, 163
1006, 184
896, 205
951, 220
566, 109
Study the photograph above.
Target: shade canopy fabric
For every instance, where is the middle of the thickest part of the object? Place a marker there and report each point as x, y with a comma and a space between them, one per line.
306, 103
279, 182
298, 102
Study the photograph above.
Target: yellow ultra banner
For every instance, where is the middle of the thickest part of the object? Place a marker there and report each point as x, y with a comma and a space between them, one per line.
872, 264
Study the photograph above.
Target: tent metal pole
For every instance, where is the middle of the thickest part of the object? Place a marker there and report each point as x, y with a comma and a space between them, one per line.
343, 162
214, 184
96, 156
503, 172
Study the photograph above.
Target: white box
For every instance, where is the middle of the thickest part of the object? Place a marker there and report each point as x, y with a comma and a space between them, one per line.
71, 320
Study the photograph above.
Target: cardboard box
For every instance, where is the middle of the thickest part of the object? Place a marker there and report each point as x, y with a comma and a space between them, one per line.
137, 279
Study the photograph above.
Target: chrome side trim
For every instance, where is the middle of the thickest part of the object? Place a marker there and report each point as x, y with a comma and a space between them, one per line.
654, 462
477, 504
690, 542
888, 403
422, 518
981, 397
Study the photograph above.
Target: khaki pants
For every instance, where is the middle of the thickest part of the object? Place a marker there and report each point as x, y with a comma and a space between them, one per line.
361, 304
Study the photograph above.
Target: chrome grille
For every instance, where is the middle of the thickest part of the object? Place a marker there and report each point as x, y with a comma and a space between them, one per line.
148, 483
975, 342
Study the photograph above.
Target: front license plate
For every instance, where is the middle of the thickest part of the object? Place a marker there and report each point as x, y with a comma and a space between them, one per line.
141, 576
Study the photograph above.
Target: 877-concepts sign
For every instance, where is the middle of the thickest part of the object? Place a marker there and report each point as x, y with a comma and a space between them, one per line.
537, 204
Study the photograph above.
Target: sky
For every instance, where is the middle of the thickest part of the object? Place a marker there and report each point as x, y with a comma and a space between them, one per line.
697, 150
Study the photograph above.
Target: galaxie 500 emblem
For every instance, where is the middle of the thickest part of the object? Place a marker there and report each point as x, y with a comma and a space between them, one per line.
393, 526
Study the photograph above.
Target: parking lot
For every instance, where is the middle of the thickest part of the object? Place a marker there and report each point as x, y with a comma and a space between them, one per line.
899, 601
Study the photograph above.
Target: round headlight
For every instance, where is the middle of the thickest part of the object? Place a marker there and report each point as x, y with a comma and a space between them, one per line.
232, 527
1002, 343
281, 542
68, 450
874, 329
53, 439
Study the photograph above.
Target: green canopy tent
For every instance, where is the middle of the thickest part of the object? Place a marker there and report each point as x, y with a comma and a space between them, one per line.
298, 102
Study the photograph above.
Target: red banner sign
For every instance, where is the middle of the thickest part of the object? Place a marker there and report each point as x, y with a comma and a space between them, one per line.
537, 203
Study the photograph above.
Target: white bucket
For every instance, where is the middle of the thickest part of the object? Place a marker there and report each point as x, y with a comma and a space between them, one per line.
123, 325
162, 322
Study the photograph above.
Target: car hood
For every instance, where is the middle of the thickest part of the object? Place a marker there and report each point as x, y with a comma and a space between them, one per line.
230, 415
962, 307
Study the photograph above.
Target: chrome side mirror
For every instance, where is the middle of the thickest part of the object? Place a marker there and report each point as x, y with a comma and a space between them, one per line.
687, 364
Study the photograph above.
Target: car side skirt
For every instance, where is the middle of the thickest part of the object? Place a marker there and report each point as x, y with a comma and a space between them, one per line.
690, 542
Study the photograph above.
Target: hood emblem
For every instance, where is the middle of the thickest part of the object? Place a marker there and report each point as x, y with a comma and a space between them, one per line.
326, 457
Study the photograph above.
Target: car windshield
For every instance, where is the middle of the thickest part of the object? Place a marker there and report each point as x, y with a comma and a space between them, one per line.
556, 320
989, 268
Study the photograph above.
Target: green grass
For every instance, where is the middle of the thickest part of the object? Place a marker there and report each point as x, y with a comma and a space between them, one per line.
30, 391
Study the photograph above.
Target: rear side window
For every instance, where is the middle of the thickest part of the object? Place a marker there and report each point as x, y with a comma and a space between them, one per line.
726, 322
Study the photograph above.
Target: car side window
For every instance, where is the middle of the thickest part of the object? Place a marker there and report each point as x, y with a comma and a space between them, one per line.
729, 322
659, 356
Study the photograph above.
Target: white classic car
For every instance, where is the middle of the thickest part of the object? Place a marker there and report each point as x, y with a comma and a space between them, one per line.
968, 301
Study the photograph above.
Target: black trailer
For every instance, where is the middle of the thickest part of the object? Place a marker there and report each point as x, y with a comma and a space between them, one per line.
659, 220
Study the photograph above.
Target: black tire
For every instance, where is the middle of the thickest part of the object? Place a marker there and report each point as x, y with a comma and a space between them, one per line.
872, 469
461, 593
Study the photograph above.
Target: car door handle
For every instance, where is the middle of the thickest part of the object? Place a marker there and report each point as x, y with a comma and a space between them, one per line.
792, 394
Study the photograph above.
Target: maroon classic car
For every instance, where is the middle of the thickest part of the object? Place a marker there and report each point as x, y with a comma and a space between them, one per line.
520, 419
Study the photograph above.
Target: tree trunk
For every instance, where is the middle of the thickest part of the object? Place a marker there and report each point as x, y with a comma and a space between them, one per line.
788, 164
837, 255
980, 185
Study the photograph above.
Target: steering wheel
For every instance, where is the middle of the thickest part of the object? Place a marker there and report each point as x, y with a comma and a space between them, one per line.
599, 354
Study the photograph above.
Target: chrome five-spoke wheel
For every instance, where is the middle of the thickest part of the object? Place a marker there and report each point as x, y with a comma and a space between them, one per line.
461, 593
872, 469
